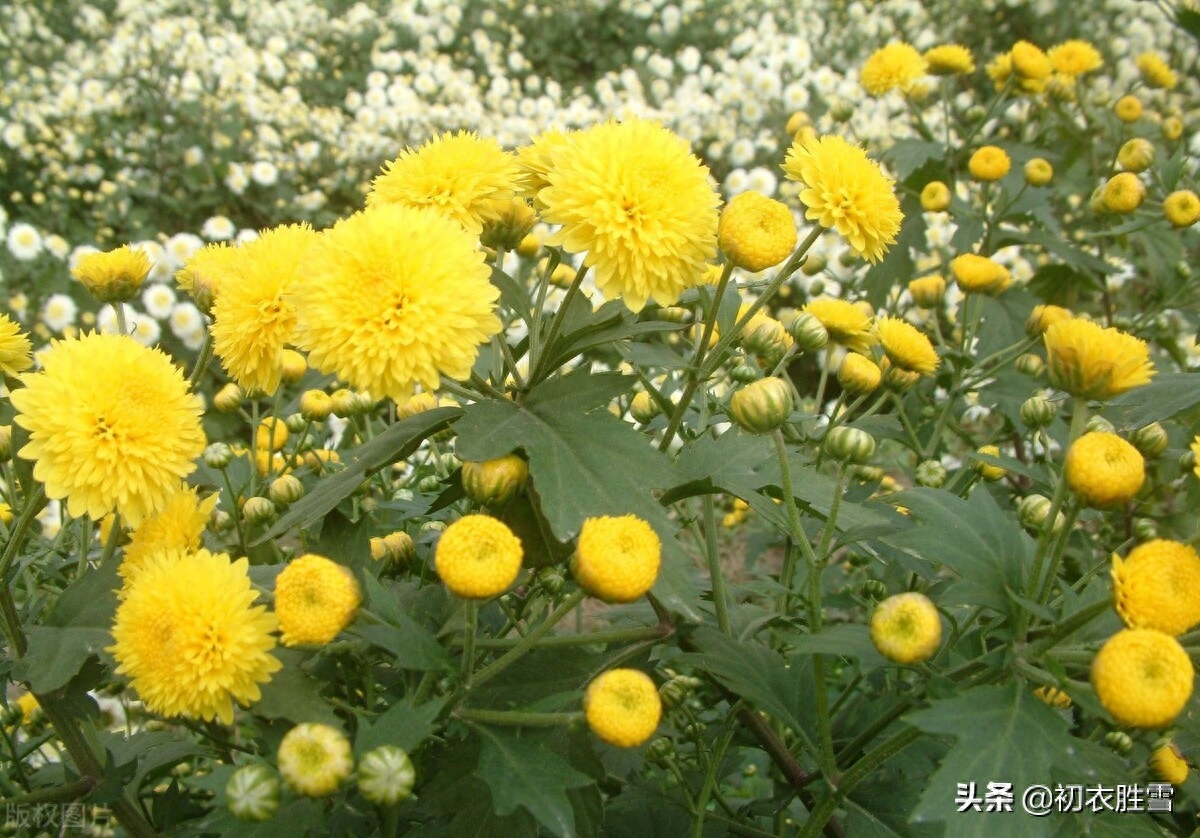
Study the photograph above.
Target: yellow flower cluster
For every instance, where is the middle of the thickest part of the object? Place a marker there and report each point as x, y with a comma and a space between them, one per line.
1093, 362
1143, 677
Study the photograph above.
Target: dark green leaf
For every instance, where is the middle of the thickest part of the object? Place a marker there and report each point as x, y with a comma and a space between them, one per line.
90, 601
405, 725
412, 646
55, 655
293, 695
847, 640
1165, 396
513, 294
906, 156
610, 334
522, 773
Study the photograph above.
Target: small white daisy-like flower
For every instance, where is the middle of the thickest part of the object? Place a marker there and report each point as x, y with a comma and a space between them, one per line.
264, 173
185, 319
58, 312
24, 241
218, 228
159, 301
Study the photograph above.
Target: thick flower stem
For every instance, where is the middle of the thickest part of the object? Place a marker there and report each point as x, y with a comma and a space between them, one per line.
518, 718
595, 638
8, 608
468, 655
122, 325
539, 365
715, 573
202, 360
529, 641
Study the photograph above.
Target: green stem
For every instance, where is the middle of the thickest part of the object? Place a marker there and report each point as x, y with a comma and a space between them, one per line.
518, 718
468, 655
1065, 628
716, 576
595, 638
56, 794
710, 778
539, 303
122, 325
823, 380
20, 528
539, 364
202, 360
529, 641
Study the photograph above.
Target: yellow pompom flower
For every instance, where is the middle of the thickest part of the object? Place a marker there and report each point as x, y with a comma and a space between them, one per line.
633, 197
1123, 193
617, 558
846, 190
190, 638
315, 598
462, 176
756, 232
1030, 63
1043, 316
112, 426
989, 163
113, 276
622, 707
314, 759
537, 159
1038, 172
986, 470
478, 557
1182, 208
894, 67
1103, 469
1157, 586
178, 526
1167, 764
392, 297
207, 269
949, 60
1093, 362
253, 318
935, 197
906, 346
1074, 58
1155, 71
927, 291
1143, 677
848, 324
980, 275
16, 352
906, 628
1128, 108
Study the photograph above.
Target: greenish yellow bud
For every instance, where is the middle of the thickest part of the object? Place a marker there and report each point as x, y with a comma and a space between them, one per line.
285, 490
1098, 424
768, 340
643, 407
293, 368
429, 484
218, 455
1145, 529
1033, 510
510, 229
858, 374
745, 373
849, 445
672, 694
1031, 365
808, 332
761, 406
986, 470
396, 548
1151, 440
874, 589
258, 510
814, 263
930, 473
674, 314
551, 579
1038, 172
252, 793
343, 403
5, 443
1038, 411
386, 775
495, 482
841, 111
897, 379
229, 398
935, 197
1119, 741
928, 291
315, 405
1136, 155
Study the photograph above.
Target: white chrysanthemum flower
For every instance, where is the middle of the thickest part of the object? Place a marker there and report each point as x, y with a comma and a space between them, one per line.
246, 235
181, 246
264, 173
162, 267
236, 178
186, 319
143, 328
106, 320
58, 312
761, 179
218, 228
159, 301
24, 241
57, 246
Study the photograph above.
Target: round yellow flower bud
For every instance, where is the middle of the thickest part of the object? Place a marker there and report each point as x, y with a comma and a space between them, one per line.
1172, 128
115, 276
1143, 677
1104, 470
1157, 586
761, 406
979, 274
986, 470
1128, 109
315, 598
617, 559
1123, 193
286, 489
396, 548
906, 346
1167, 764
1043, 317
643, 407
478, 557
229, 398
756, 232
1038, 172
529, 247
927, 291
416, 404
1136, 155
858, 374
622, 707
272, 434
906, 628
314, 759
315, 405
797, 121
494, 482
935, 197
1182, 208
989, 163
293, 367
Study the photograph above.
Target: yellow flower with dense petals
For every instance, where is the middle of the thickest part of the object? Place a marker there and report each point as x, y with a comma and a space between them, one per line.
1156, 72
756, 232
977, 274
112, 426
1104, 470
1123, 192
1167, 764
1182, 208
392, 297
1043, 317
1143, 677
846, 190
537, 159
16, 352
1029, 62
314, 759
462, 176
315, 598
253, 318
1074, 58
847, 323
617, 558
949, 60
894, 67
622, 707
1093, 362
115, 275
478, 557
177, 527
906, 628
1157, 586
190, 638
633, 197
989, 163
203, 274
906, 346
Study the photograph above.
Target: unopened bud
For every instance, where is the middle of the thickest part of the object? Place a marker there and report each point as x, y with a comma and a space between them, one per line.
1145, 529
808, 332
897, 379
5, 443
986, 470
1098, 424
858, 374
1033, 510
1031, 365
229, 398
761, 406
315, 405
849, 445
814, 263
1151, 440
928, 291
258, 510
1119, 741
1038, 411
495, 482
218, 455
272, 434
293, 368
930, 473
874, 589
252, 793
551, 579
643, 407
343, 403
285, 490
386, 775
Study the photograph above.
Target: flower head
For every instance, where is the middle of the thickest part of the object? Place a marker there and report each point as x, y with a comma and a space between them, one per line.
848, 323
906, 346
178, 526
1168, 765
756, 232
1156, 72
1043, 316
203, 274
617, 558
15, 349
894, 67
977, 274
190, 638
989, 163
1123, 192
1157, 586
1182, 208
858, 374
478, 557
640, 204
906, 628
622, 707
112, 426
315, 598
314, 759
462, 176
949, 60
845, 190
1143, 677
1029, 62
1074, 58
113, 276
1093, 362
394, 296
1103, 469
537, 159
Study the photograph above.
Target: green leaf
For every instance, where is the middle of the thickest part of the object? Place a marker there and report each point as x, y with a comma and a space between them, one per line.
1161, 399
296, 696
847, 640
522, 773
411, 646
610, 334
90, 601
405, 725
1189, 21
906, 156
55, 655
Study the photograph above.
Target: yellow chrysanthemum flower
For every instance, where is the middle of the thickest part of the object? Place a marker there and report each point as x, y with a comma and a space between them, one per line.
986, 470
989, 163
935, 197
537, 159
894, 67
1043, 317
949, 60
1030, 62
1103, 469
1196, 456
112, 426
756, 232
394, 296
1155, 71
1167, 764
1143, 677
115, 275
906, 346
190, 638
314, 759
207, 269
640, 204
16, 352
858, 374
1038, 171
253, 317
849, 324
977, 274
1182, 208
846, 190
1128, 108
617, 558
177, 527
315, 598
927, 291
906, 628
1157, 586
1093, 362
622, 707
1123, 192
478, 557
462, 176
1074, 58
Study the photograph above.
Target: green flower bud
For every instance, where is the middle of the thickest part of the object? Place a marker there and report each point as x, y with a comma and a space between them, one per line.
745, 373
386, 775
930, 473
551, 579
643, 407
5, 443
495, 482
218, 455
1031, 365
1098, 424
1033, 511
343, 403
295, 423
808, 332
874, 589
849, 445
814, 263
285, 490
762, 406
1119, 741
258, 510
674, 314
1145, 529
1038, 411
315, 405
229, 398
252, 793
429, 485
1151, 440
